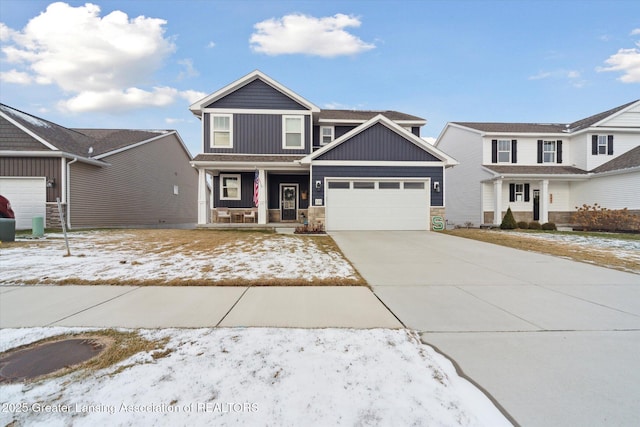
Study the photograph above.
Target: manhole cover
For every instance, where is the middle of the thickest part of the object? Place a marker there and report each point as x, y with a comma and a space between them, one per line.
46, 358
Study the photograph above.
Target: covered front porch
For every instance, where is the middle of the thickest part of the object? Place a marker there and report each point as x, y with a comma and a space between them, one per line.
246, 195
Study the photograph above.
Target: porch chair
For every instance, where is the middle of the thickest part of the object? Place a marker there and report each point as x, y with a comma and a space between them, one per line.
249, 215
222, 213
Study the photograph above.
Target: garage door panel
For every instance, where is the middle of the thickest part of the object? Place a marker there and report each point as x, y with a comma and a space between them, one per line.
377, 208
28, 197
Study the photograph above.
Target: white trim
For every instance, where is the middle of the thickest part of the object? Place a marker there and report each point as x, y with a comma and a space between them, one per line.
212, 117
249, 166
617, 113
284, 132
416, 140
27, 131
221, 185
198, 106
146, 141
16, 153
254, 111
282, 184
376, 163
412, 123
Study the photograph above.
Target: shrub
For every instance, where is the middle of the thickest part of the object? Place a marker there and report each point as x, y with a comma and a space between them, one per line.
549, 226
523, 225
534, 225
598, 218
310, 229
508, 222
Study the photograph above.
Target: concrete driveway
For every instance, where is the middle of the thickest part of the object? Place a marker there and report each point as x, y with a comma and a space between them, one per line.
554, 341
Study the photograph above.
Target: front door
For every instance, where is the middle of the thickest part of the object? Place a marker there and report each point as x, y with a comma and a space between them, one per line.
536, 205
288, 202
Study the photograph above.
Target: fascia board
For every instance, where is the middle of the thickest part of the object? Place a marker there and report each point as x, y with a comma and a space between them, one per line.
617, 113
29, 132
63, 154
146, 141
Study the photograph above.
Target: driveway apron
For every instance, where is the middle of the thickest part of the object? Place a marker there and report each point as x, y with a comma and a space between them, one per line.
553, 341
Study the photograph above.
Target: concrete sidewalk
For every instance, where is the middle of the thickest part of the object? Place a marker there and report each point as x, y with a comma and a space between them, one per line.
190, 307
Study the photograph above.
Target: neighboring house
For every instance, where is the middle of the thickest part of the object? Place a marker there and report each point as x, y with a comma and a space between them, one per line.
103, 177
263, 145
543, 171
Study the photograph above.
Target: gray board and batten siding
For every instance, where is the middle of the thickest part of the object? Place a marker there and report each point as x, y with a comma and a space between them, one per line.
48, 167
257, 134
137, 189
259, 95
378, 143
273, 190
395, 172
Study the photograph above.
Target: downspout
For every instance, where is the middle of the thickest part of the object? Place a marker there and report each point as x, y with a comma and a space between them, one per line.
68, 191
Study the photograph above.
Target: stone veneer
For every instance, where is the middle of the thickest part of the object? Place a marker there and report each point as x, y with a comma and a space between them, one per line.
53, 216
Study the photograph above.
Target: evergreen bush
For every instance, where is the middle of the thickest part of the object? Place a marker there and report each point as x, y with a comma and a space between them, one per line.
508, 222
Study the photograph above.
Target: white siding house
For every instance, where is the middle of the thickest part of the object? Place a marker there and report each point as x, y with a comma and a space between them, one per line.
542, 171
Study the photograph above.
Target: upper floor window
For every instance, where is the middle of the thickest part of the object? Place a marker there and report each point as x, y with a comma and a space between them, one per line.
602, 144
326, 134
221, 131
504, 151
293, 132
549, 152
230, 187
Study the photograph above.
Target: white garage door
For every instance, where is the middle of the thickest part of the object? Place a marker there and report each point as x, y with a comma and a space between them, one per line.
28, 198
377, 204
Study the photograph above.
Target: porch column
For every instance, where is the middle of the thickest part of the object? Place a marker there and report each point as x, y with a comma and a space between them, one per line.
497, 198
263, 212
544, 201
202, 197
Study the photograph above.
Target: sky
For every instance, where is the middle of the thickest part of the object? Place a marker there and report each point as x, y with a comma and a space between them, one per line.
140, 64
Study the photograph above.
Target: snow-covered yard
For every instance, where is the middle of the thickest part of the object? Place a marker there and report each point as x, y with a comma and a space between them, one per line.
257, 376
175, 257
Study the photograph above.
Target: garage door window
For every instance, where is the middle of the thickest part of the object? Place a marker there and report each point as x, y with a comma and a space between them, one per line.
385, 185
339, 184
364, 185
414, 185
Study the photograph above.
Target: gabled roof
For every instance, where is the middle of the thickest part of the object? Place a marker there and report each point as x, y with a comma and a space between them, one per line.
511, 128
628, 160
358, 116
380, 119
196, 107
89, 145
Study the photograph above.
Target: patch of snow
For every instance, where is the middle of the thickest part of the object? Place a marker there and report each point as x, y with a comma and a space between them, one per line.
116, 257
259, 376
23, 116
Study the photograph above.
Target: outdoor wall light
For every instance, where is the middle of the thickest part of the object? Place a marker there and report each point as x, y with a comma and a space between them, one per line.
51, 183
436, 186
318, 185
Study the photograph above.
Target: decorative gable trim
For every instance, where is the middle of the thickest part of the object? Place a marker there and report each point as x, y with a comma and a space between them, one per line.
380, 119
197, 107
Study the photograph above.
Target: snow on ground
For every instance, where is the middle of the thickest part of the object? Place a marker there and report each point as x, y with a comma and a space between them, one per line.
114, 256
620, 247
257, 376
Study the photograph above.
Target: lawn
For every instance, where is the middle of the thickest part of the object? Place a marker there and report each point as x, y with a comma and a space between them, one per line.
611, 250
177, 257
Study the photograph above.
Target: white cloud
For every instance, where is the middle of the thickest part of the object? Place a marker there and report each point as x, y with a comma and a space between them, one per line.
189, 69
627, 61
191, 95
211, 45
573, 77
104, 63
541, 75
303, 34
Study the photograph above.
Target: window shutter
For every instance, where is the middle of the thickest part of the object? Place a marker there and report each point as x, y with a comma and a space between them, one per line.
594, 144
610, 144
494, 151
514, 151
526, 193
559, 151
539, 151
512, 192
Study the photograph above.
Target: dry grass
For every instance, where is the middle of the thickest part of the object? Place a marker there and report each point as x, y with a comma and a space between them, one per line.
118, 345
601, 256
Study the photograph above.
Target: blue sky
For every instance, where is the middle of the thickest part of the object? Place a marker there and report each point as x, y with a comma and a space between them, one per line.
139, 64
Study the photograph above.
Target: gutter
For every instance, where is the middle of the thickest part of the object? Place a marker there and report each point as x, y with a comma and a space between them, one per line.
68, 195
16, 153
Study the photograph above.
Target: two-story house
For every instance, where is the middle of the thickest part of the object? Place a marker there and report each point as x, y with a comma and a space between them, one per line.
543, 171
266, 148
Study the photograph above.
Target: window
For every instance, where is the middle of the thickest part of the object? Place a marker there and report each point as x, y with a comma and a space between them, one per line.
519, 190
326, 134
414, 185
602, 144
293, 132
221, 131
504, 151
549, 152
339, 184
364, 185
388, 185
230, 187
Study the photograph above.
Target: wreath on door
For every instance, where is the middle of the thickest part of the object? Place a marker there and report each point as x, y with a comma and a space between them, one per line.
289, 193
